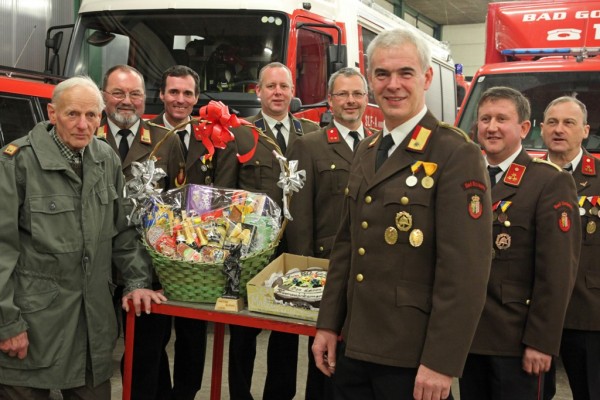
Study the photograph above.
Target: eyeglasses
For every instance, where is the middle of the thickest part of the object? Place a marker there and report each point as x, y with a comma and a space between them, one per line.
133, 96
345, 95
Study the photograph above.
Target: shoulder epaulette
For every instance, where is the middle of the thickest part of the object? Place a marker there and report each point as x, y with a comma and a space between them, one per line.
453, 128
11, 150
550, 163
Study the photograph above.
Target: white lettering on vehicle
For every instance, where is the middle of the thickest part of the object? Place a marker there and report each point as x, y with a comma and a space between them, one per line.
560, 15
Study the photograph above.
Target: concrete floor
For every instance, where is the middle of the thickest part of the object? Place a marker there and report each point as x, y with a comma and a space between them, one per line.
563, 392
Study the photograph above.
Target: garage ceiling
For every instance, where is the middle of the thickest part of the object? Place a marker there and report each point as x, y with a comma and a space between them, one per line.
451, 12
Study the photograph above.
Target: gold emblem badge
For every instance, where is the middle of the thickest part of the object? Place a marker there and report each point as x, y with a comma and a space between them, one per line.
590, 227
427, 182
403, 221
391, 235
503, 241
11, 150
415, 238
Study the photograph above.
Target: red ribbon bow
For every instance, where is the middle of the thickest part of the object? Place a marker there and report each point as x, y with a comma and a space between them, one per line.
213, 129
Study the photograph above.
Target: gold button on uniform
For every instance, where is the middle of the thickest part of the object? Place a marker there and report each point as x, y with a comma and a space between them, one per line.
364, 224
346, 191
321, 248
368, 199
332, 166
527, 301
359, 277
361, 251
404, 200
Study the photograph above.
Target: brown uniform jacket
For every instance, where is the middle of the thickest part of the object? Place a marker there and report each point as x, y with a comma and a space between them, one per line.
169, 156
261, 173
407, 280
317, 207
583, 312
535, 260
196, 171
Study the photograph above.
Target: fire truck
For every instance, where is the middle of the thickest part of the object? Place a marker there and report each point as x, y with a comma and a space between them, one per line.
24, 97
545, 49
227, 43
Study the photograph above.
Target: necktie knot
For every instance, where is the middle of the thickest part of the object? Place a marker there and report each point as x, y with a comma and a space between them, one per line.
493, 171
356, 138
280, 138
568, 168
124, 143
382, 152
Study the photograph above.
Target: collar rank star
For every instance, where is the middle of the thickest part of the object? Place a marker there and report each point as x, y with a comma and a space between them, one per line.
514, 174
419, 139
333, 135
587, 165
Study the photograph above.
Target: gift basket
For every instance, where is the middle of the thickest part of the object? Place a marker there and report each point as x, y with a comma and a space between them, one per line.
193, 231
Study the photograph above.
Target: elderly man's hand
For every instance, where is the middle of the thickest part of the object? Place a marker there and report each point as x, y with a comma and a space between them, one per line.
16, 346
142, 296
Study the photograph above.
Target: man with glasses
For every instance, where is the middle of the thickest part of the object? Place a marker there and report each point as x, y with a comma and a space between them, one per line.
131, 137
125, 130
326, 156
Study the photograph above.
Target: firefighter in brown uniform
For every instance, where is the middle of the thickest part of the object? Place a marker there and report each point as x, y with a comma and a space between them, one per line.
124, 111
131, 137
179, 92
564, 129
326, 156
536, 239
406, 284
261, 174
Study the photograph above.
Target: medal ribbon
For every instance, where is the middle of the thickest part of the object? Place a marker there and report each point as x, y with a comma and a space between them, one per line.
593, 200
495, 205
504, 205
581, 200
416, 166
429, 168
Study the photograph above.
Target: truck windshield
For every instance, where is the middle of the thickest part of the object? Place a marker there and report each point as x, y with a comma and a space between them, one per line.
226, 49
540, 89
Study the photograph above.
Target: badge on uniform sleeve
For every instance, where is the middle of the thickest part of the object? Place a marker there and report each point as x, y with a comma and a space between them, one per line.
564, 222
11, 150
475, 207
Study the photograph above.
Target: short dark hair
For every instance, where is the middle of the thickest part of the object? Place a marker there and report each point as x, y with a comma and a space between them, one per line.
180, 71
506, 93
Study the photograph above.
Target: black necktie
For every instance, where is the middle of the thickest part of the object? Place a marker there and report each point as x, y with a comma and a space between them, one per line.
124, 144
354, 135
382, 152
569, 168
493, 171
181, 135
280, 138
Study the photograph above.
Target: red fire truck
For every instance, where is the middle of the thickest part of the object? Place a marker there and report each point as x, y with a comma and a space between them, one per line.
545, 49
23, 100
228, 42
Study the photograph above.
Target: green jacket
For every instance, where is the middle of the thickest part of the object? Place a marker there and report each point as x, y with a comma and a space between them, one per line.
58, 237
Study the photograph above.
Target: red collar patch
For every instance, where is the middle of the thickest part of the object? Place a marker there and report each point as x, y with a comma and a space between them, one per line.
514, 174
588, 167
333, 136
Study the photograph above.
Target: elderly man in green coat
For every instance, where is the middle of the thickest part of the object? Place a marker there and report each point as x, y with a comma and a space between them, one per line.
64, 220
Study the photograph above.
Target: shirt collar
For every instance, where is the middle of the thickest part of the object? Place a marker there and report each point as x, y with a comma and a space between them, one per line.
72, 156
574, 162
272, 121
114, 128
506, 163
400, 132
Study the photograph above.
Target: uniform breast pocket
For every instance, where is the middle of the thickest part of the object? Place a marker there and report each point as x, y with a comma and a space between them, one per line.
255, 172
333, 174
106, 196
55, 227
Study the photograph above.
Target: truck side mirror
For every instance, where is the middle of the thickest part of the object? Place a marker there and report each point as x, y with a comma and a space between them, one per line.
295, 105
337, 55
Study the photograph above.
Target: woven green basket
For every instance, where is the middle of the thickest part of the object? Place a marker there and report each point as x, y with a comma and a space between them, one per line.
203, 282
